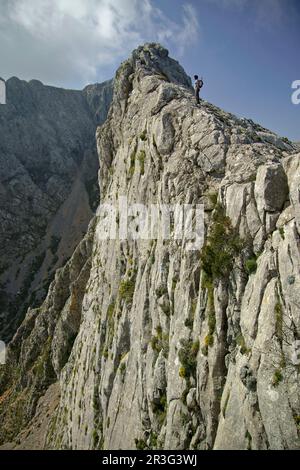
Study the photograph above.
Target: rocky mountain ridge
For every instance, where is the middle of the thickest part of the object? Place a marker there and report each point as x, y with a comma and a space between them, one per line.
144, 344
48, 186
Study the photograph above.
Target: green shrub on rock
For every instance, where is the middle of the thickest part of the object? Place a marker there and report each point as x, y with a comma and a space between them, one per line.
251, 265
126, 290
187, 356
223, 244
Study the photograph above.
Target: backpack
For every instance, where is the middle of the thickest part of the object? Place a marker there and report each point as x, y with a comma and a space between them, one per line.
199, 84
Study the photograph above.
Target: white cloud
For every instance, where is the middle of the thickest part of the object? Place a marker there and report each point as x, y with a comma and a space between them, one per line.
67, 42
190, 29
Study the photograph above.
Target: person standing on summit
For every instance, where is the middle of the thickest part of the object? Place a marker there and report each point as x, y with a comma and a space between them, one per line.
198, 86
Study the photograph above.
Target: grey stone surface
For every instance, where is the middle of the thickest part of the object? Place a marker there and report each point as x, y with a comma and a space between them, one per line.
159, 357
271, 188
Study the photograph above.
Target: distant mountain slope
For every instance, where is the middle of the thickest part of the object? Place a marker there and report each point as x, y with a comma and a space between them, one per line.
48, 171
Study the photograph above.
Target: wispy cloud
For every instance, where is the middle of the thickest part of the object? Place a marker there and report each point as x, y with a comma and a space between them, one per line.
190, 29
69, 41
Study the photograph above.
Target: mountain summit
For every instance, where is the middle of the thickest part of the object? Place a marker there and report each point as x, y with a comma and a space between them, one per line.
143, 343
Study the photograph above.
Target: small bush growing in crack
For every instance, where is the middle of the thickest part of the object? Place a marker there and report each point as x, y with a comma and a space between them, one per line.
140, 444
143, 135
213, 197
187, 356
160, 341
126, 290
160, 291
141, 159
297, 421
277, 378
282, 234
249, 439
223, 244
209, 340
240, 341
251, 265
132, 163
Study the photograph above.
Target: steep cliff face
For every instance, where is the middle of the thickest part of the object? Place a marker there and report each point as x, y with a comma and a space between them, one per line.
48, 181
145, 344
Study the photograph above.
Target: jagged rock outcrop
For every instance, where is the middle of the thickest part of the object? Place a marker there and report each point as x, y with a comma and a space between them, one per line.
48, 186
153, 345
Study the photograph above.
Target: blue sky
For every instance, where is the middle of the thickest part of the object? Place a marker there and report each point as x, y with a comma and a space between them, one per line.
246, 50
248, 53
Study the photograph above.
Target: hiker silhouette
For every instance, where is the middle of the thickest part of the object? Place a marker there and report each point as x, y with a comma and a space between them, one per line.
198, 86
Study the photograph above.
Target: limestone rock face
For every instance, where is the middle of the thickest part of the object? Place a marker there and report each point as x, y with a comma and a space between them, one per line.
271, 188
48, 185
153, 345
